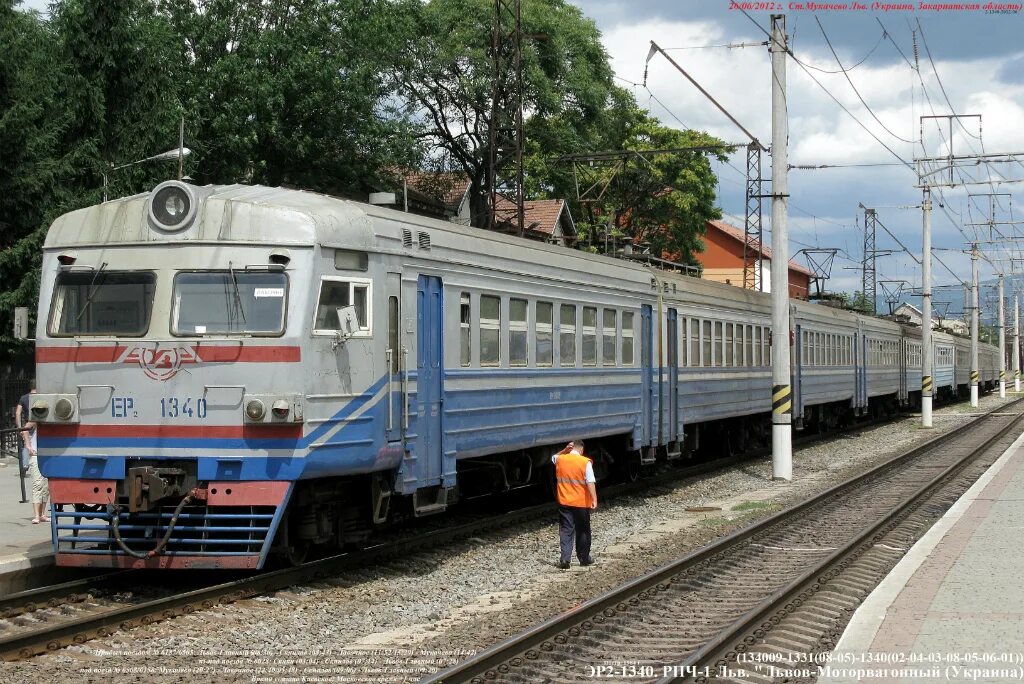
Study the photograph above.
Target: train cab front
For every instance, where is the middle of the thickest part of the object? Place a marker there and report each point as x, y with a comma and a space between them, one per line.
169, 418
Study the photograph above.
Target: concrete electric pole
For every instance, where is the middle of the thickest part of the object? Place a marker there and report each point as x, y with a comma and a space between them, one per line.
927, 362
1002, 342
1016, 343
975, 375
782, 398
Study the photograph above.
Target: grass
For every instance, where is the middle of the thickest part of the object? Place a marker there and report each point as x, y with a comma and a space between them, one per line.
753, 506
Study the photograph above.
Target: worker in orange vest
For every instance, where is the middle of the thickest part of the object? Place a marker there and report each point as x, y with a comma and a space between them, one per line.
577, 497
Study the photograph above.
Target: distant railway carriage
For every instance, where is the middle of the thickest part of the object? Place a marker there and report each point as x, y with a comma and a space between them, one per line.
231, 371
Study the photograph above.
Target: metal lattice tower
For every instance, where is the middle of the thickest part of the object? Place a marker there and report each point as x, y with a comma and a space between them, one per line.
868, 279
752, 249
505, 171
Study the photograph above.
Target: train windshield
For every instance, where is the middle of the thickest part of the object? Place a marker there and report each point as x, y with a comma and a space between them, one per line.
102, 302
233, 302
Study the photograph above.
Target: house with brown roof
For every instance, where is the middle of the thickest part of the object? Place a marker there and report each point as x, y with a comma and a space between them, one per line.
438, 194
547, 220
446, 195
722, 260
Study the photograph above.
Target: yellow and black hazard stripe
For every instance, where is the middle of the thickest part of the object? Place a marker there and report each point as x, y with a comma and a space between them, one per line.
782, 399
975, 375
926, 383
1002, 375
1016, 374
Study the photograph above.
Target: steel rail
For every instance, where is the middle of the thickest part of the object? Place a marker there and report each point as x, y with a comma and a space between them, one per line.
570, 624
53, 595
729, 642
54, 637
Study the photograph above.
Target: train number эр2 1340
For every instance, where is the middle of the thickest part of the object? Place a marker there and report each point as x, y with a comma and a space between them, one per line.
173, 407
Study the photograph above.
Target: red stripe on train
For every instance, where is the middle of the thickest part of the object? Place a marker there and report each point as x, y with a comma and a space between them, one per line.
289, 431
203, 353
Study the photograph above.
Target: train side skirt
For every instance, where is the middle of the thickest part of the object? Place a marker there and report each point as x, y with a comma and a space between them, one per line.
233, 529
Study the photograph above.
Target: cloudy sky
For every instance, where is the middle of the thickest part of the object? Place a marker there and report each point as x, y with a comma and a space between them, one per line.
979, 58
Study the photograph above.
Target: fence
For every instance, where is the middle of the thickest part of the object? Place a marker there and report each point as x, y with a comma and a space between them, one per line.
15, 380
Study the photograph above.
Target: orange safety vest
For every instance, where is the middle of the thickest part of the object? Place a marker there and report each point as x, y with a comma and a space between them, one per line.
571, 477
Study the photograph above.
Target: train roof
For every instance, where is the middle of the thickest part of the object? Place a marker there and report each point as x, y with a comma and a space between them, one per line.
225, 213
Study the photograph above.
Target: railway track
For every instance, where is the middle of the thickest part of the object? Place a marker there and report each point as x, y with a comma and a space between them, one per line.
52, 617
773, 595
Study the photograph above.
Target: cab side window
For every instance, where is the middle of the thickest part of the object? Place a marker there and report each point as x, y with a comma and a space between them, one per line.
337, 293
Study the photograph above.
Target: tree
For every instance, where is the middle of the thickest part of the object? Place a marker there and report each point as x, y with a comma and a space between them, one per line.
36, 166
286, 92
445, 70
662, 199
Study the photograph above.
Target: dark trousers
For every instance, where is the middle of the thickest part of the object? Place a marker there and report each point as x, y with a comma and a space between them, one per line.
574, 524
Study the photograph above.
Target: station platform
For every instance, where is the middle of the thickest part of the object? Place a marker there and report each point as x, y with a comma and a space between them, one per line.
24, 547
952, 608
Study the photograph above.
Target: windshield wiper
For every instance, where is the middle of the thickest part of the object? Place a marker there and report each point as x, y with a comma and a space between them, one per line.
92, 291
238, 296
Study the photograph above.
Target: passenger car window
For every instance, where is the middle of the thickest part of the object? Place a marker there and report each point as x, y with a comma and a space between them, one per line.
336, 293
627, 338
490, 330
517, 345
589, 336
608, 337
567, 335
102, 303
544, 350
464, 322
229, 302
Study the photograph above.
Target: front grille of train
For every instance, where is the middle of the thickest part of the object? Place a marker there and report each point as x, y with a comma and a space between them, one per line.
199, 531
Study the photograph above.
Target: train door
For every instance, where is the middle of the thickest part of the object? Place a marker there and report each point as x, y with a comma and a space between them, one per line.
423, 467
904, 368
647, 376
673, 377
799, 362
429, 364
395, 357
860, 349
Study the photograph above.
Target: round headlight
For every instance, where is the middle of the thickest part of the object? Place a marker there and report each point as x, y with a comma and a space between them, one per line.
64, 409
40, 408
255, 410
281, 408
172, 206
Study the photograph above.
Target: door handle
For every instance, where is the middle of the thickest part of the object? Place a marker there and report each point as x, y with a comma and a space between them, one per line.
405, 388
388, 355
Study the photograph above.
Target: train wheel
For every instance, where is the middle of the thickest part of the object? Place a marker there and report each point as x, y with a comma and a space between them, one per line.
631, 469
288, 547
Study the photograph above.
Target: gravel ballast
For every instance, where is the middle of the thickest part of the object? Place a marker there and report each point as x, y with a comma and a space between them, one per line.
397, 621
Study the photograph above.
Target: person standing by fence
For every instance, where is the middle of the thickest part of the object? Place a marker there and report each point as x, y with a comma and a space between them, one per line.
21, 416
40, 487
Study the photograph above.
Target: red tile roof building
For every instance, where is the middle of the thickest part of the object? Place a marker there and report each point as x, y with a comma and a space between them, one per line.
722, 260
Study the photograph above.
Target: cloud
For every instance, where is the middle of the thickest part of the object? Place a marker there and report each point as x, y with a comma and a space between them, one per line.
821, 133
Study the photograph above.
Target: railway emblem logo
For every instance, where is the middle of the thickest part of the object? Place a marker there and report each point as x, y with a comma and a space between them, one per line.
161, 364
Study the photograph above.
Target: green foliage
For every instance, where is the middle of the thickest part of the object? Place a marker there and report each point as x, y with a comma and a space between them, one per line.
445, 69
662, 199
35, 164
279, 92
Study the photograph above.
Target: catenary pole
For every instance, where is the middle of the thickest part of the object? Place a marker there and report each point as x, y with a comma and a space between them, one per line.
1002, 342
782, 400
927, 364
975, 375
1016, 343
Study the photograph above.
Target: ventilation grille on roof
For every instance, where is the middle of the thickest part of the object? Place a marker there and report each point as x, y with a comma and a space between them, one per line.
424, 240
406, 237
